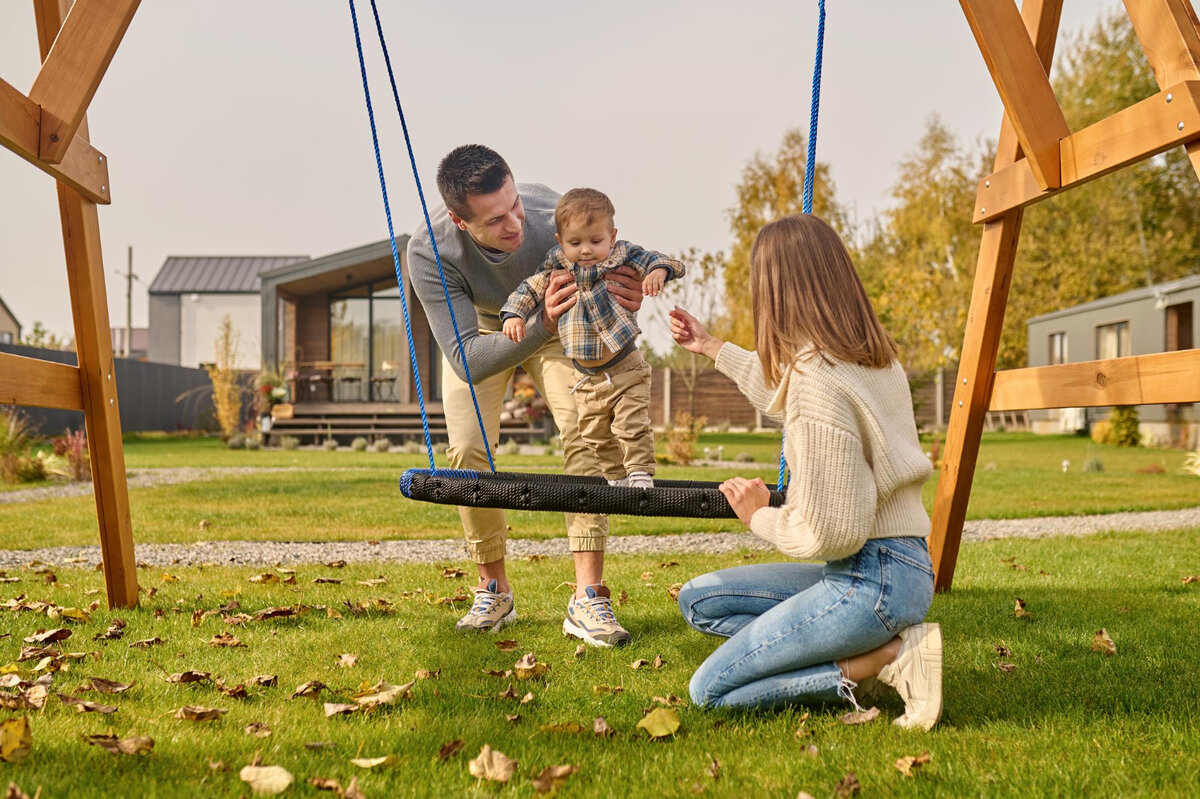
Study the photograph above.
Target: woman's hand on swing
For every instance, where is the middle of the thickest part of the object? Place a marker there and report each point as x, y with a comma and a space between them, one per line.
691, 335
746, 496
560, 295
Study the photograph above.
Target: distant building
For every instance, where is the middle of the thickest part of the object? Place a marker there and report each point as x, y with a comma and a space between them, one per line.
10, 328
1139, 322
138, 342
192, 294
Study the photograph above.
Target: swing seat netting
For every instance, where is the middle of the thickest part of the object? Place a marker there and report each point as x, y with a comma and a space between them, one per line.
568, 493
545, 492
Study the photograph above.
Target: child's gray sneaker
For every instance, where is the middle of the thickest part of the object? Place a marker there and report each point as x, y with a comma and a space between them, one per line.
916, 674
489, 612
592, 619
640, 480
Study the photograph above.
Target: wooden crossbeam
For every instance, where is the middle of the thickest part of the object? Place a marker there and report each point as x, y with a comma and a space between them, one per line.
1021, 78
83, 168
72, 69
1145, 129
1164, 377
32, 382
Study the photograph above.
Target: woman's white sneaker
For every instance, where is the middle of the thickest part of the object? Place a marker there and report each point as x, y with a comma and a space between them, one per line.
916, 674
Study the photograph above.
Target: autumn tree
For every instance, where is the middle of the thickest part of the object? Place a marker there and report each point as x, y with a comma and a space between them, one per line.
771, 186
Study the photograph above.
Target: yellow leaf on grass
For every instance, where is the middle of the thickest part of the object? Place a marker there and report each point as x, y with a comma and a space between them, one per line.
553, 778
169, 578
266, 780
492, 765
528, 668
372, 762
1020, 612
16, 738
566, 726
906, 765
384, 694
660, 722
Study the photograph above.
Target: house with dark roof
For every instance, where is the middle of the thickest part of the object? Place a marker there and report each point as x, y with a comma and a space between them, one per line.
1143, 321
191, 295
10, 328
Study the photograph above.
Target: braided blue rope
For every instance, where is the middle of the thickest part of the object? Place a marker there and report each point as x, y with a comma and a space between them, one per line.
387, 209
387, 59
810, 166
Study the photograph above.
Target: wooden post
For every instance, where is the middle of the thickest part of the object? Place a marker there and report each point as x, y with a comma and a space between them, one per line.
981, 340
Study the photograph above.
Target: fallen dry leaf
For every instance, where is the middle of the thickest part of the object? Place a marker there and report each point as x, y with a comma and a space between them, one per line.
525, 700
451, 574
347, 660
553, 778
115, 630
504, 675
319, 745
600, 728
639, 663
383, 693
265, 680
1020, 612
327, 580
564, 726
335, 564
659, 662
197, 713
258, 729
450, 749
326, 784
673, 590
266, 780
512, 718
907, 765
188, 676
336, 709
508, 693
426, 674
134, 745
266, 578
225, 639
608, 689
310, 689
105, 686
16, 739
848, 786
1102, 642
528, 668
84, 706
372, 762
646, 576
670, 700
1002, 650
236, 691
146, 643
49, 636
660, 722
1191, 578
860, 716
506, 645
374, 581
1006, 667
714, 769
492, 765
275, 613
622, 598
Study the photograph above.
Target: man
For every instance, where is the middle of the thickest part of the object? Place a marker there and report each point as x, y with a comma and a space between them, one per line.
492, 234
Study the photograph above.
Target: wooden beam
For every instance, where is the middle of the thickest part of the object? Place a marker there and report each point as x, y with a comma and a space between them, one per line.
1145, 129
1165, 377
1041, 20
84, 168
73, 68
32, 382
1019, 75
93, 342
981, 338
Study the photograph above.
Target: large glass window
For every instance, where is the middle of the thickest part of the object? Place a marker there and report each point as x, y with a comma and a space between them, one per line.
388, 342
1112, 341
349, 321
1058, 348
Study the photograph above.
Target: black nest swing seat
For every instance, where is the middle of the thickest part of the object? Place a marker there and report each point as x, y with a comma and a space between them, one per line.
568, 493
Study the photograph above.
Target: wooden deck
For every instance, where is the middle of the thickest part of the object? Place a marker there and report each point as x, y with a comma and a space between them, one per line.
313, 422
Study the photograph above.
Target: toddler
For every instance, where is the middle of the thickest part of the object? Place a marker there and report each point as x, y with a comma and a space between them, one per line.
612, 389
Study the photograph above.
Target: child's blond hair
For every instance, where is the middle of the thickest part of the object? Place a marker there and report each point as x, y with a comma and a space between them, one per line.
583, 207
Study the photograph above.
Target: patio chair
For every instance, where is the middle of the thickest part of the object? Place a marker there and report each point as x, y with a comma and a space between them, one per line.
383, 385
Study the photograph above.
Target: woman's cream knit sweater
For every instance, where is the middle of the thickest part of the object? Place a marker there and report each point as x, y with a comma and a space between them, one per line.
851, 447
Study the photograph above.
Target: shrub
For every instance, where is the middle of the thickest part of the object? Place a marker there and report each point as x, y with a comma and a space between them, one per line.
14, 433
1093, 465
440, 448
1191, 464
744, 457
1125, 432
682, 437
253, 442
29, 469
382, 445
289, 442
74, 447
329, 444
226, 393
359, 444
236, 441
1101, 432
510, 447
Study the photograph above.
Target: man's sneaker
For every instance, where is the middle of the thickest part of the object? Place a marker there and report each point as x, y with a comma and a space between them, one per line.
916, 674
640, 480
489, 612
622, 483
591, 618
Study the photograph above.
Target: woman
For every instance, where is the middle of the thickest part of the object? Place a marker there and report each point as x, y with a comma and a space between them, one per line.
828, 369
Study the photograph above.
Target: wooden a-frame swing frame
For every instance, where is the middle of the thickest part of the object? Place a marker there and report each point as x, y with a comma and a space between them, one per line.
48, 128
1037, 156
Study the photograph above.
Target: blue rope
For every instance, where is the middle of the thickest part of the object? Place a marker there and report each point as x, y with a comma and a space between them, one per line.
810, 168
412, 349
387, 59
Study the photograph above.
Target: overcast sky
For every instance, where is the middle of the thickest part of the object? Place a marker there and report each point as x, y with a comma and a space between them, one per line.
238, 128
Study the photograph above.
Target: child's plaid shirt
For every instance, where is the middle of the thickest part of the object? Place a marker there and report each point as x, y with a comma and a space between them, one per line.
596, 320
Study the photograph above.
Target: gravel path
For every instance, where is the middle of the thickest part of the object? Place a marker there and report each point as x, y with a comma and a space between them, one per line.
451, 550
139, 478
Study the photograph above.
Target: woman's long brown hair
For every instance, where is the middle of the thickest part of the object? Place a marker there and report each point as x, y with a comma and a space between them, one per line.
808, 300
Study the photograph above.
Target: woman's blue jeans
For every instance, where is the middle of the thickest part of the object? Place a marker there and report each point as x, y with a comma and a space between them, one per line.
789, 623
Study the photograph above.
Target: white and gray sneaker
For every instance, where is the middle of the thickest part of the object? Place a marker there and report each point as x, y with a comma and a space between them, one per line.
489, 612
916, 674
591, 619
640, 480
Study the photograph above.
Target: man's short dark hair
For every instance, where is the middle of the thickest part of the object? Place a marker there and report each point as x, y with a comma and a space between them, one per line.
470, 169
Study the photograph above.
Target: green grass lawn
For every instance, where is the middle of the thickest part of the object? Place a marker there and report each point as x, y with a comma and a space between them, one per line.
1065, 722
348, 495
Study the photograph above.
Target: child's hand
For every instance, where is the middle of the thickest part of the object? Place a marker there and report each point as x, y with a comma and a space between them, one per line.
654, 282
514, 328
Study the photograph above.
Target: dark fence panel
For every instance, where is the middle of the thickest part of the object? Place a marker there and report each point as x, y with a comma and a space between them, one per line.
153, 396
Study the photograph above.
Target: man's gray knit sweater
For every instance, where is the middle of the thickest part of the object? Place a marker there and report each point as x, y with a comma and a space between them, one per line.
479, 287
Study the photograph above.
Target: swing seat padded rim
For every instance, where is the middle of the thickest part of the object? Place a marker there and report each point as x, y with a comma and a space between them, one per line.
568, 493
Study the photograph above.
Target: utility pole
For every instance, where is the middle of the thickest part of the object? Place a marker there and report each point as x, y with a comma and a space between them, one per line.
128, 348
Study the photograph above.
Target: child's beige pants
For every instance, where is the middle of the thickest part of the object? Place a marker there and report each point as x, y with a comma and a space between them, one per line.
614, 416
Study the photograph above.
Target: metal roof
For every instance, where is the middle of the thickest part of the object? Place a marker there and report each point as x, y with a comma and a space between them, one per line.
1144, 293
221, 274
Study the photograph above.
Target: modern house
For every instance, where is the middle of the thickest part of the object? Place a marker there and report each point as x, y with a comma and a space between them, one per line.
191, 295
1139, 322
10, 328
139, 342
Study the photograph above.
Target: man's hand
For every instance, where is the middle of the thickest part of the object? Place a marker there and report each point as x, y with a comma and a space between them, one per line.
560, 295
654, 282
746, 496
626, 287
514, 328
